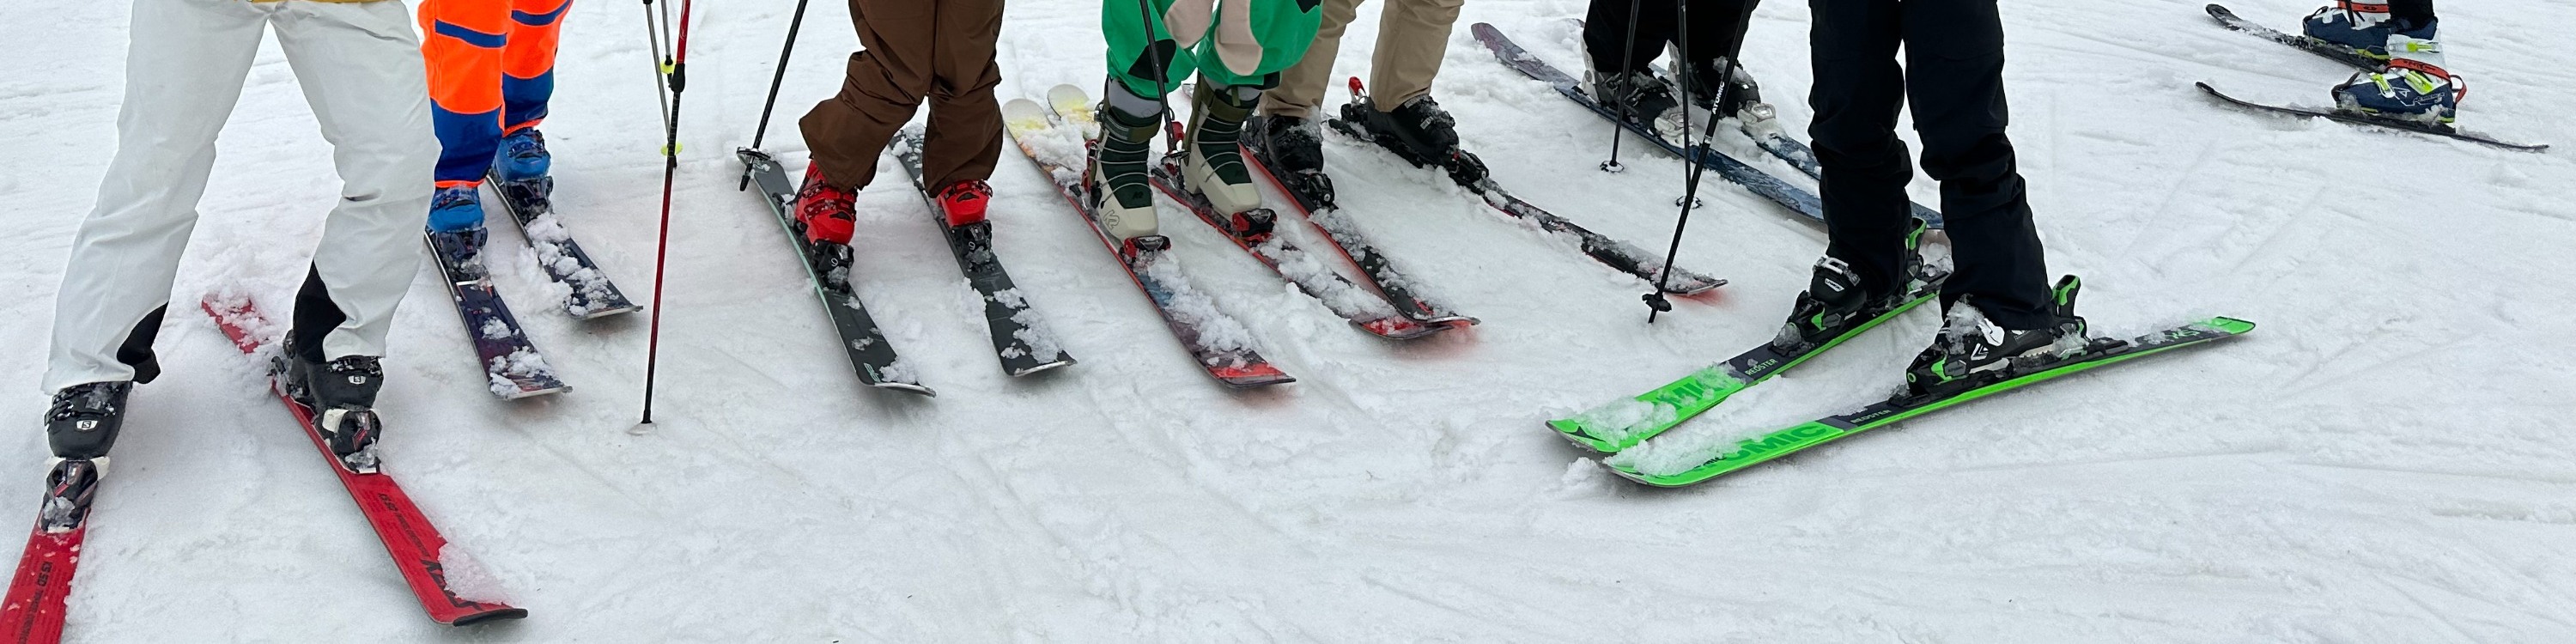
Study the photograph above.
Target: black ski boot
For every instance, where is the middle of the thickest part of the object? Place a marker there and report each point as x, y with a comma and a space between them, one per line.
1121, 191
1292, 147
342, 396
1639, 97
1835, 301
1741, 100
1417, 129
1973, 351
82, 422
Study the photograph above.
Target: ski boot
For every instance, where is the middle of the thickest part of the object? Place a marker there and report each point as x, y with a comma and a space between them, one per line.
341, 394
82, 422
1214, 165
1122, 192
520, 173
1417, 130
1972, 351
1293, 148
1835, 301
2362, 26
456, 208
827, 215
1638, 96
1738, 97
962, 203
2414, 87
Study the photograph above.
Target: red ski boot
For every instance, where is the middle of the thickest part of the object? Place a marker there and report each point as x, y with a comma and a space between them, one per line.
963, 202
825, 210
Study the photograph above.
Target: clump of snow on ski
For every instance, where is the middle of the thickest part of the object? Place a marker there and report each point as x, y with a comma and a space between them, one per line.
415, 545
1010, 321
589, 292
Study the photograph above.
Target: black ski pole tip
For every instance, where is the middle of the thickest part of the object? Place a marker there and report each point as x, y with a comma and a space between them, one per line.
1657, 302
1612, 166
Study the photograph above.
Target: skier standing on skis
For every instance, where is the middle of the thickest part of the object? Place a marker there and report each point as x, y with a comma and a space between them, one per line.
1998, 303
1237, 51
938, 50
2414, 85
1412, 35
360, 66
491, 72
1620, 48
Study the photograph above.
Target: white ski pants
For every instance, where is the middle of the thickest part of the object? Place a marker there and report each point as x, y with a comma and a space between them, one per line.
360, 67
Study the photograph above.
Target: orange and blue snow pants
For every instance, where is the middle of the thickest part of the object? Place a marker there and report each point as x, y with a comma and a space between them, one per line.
491, 70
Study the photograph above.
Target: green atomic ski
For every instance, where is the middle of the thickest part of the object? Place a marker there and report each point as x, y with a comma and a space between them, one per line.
1651, 468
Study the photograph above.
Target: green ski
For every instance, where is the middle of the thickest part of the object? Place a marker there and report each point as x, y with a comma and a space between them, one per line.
1652, 468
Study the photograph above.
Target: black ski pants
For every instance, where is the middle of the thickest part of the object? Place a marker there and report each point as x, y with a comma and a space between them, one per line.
2411, 11
1658, 23
1953, 75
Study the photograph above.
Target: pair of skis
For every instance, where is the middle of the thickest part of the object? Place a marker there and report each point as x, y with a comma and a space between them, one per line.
1798, 155
1020, 340
513, 367
2347, 56
1622, 429
1057, 137
37, 599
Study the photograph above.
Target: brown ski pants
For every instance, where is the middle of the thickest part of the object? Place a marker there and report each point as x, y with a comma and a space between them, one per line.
915, 49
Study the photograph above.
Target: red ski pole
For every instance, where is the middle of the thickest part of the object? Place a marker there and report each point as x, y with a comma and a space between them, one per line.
677, 77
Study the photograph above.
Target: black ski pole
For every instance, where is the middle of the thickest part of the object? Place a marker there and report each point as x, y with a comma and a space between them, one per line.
1655, 301
678, 80
1627, 63
775, 79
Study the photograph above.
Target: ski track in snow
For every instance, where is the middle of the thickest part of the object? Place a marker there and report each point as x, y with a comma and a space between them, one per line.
2384, 461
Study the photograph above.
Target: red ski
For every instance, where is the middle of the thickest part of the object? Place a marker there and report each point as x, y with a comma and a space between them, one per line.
34, 608
414, 544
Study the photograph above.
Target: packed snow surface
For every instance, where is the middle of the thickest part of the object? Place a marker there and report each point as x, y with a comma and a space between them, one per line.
2387, 459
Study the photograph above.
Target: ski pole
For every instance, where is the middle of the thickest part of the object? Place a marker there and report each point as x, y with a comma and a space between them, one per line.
1655, 301
775, 78
653, 40
677, 78
1627, 62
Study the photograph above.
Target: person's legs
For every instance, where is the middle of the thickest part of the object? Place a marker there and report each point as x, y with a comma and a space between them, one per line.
1858, 91
2411, 12
1955, 63
886, 81
1608, 44
361, 70
462, 42
528, 61
1303, 86
184, 65
965, 132
1412, 37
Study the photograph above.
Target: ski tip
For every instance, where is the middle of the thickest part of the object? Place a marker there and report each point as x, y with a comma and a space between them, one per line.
1259, 374
1044, 367
589, 314
525, 392
494, 615
2228, 324
2218, 11
1572, 432
1398, 328
906, 387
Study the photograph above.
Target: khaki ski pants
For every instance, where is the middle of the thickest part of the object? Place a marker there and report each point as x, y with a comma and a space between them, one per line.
1411, 37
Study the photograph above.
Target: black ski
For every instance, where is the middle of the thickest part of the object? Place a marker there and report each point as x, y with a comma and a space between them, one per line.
1313, 194
870, 354
1019, 338
2419, 127
593, 295
512, 366
2302, 42
1469, 172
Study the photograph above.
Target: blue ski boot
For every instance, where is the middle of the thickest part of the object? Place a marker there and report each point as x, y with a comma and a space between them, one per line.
2362, 26
2414, 87
456, 209
523, 156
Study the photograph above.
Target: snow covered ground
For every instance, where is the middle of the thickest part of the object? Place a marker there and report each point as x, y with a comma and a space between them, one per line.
2385, 460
